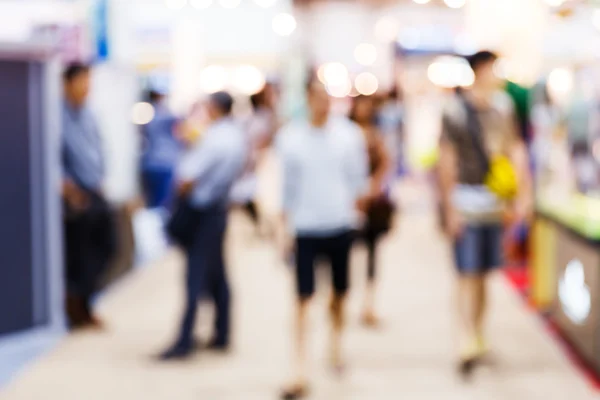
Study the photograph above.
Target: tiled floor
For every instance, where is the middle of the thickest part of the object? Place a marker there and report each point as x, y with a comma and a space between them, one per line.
411, 357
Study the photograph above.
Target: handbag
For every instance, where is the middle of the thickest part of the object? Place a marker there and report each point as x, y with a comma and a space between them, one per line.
500, 176
183, 223
380, 214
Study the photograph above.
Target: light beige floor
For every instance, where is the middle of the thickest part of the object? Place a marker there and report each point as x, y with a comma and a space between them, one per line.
411, 357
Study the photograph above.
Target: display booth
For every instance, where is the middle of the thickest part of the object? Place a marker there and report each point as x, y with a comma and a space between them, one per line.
565, 269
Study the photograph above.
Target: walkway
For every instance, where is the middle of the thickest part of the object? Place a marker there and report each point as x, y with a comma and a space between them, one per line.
411, 357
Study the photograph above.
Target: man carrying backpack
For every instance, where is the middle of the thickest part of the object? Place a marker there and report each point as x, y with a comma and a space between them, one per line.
484, 172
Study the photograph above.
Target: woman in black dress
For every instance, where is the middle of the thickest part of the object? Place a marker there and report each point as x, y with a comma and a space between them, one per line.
378, 207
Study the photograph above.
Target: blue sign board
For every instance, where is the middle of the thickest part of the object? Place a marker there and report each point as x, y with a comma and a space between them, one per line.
101, 30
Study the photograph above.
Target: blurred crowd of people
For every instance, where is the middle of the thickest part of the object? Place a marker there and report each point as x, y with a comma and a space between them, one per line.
338, 174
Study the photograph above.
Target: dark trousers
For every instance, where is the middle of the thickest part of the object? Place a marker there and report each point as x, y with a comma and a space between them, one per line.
206, 275
90, 242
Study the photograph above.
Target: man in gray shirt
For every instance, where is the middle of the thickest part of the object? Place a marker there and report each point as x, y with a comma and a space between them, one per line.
88, 224
206, 175
324, 160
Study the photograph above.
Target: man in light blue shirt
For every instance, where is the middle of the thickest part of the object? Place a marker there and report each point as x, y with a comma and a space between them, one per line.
89, 233
206, 175
325, 172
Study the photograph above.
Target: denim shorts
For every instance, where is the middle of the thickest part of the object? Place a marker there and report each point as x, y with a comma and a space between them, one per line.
479, 249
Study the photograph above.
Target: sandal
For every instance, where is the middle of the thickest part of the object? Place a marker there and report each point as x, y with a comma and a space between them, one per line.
294, 393
370, 320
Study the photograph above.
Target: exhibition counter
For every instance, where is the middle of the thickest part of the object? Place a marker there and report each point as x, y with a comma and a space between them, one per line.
566, 270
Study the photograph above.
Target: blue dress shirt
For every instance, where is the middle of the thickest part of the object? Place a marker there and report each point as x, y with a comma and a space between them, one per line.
215, 163
325, 171
82, 156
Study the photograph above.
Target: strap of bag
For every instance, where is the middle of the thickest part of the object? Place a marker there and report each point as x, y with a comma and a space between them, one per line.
475, 131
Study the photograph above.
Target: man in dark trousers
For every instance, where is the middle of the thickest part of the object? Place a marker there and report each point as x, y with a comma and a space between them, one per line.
89, 231
206, 175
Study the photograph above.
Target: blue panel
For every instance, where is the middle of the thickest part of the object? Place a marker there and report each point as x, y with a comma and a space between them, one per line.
16, 274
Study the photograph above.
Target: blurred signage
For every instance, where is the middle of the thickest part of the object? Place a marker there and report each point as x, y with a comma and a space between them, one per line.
67, 39
100, 24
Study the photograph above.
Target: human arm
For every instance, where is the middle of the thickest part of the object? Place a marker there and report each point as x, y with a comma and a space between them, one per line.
197, 164
448, 177
383, 165
524, 202
358, 168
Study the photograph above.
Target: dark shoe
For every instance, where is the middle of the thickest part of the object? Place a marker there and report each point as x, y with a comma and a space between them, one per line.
466, 368
217, 345
176, 353
294, 393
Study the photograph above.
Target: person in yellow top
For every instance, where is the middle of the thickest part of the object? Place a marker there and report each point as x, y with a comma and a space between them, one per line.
484, 172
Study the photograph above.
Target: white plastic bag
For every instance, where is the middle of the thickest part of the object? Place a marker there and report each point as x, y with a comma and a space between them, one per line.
151, 241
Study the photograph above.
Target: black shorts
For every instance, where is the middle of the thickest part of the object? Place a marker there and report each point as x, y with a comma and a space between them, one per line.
335, 249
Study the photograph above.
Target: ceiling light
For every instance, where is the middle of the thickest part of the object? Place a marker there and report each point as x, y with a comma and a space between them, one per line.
455, 3
366, 84
265, 3
284, 24
176, 4
230, 3
365, 54
200, 4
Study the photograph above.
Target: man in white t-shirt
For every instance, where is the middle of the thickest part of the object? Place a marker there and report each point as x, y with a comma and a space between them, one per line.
324, 162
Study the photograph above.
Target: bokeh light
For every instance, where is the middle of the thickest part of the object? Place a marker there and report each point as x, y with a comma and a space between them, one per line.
366, 83
560, 83
365, 54
248, 79
335, 74
213, 78
421, 1
455, 3
201, 4
142, 113
266, 3
284, 24
450, 72
339, 89
555, 3
230, 3
176, 4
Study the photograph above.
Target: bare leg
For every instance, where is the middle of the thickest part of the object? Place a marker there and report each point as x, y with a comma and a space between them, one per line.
467, 307
298, 382
480, 312
369, 317
337, 327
